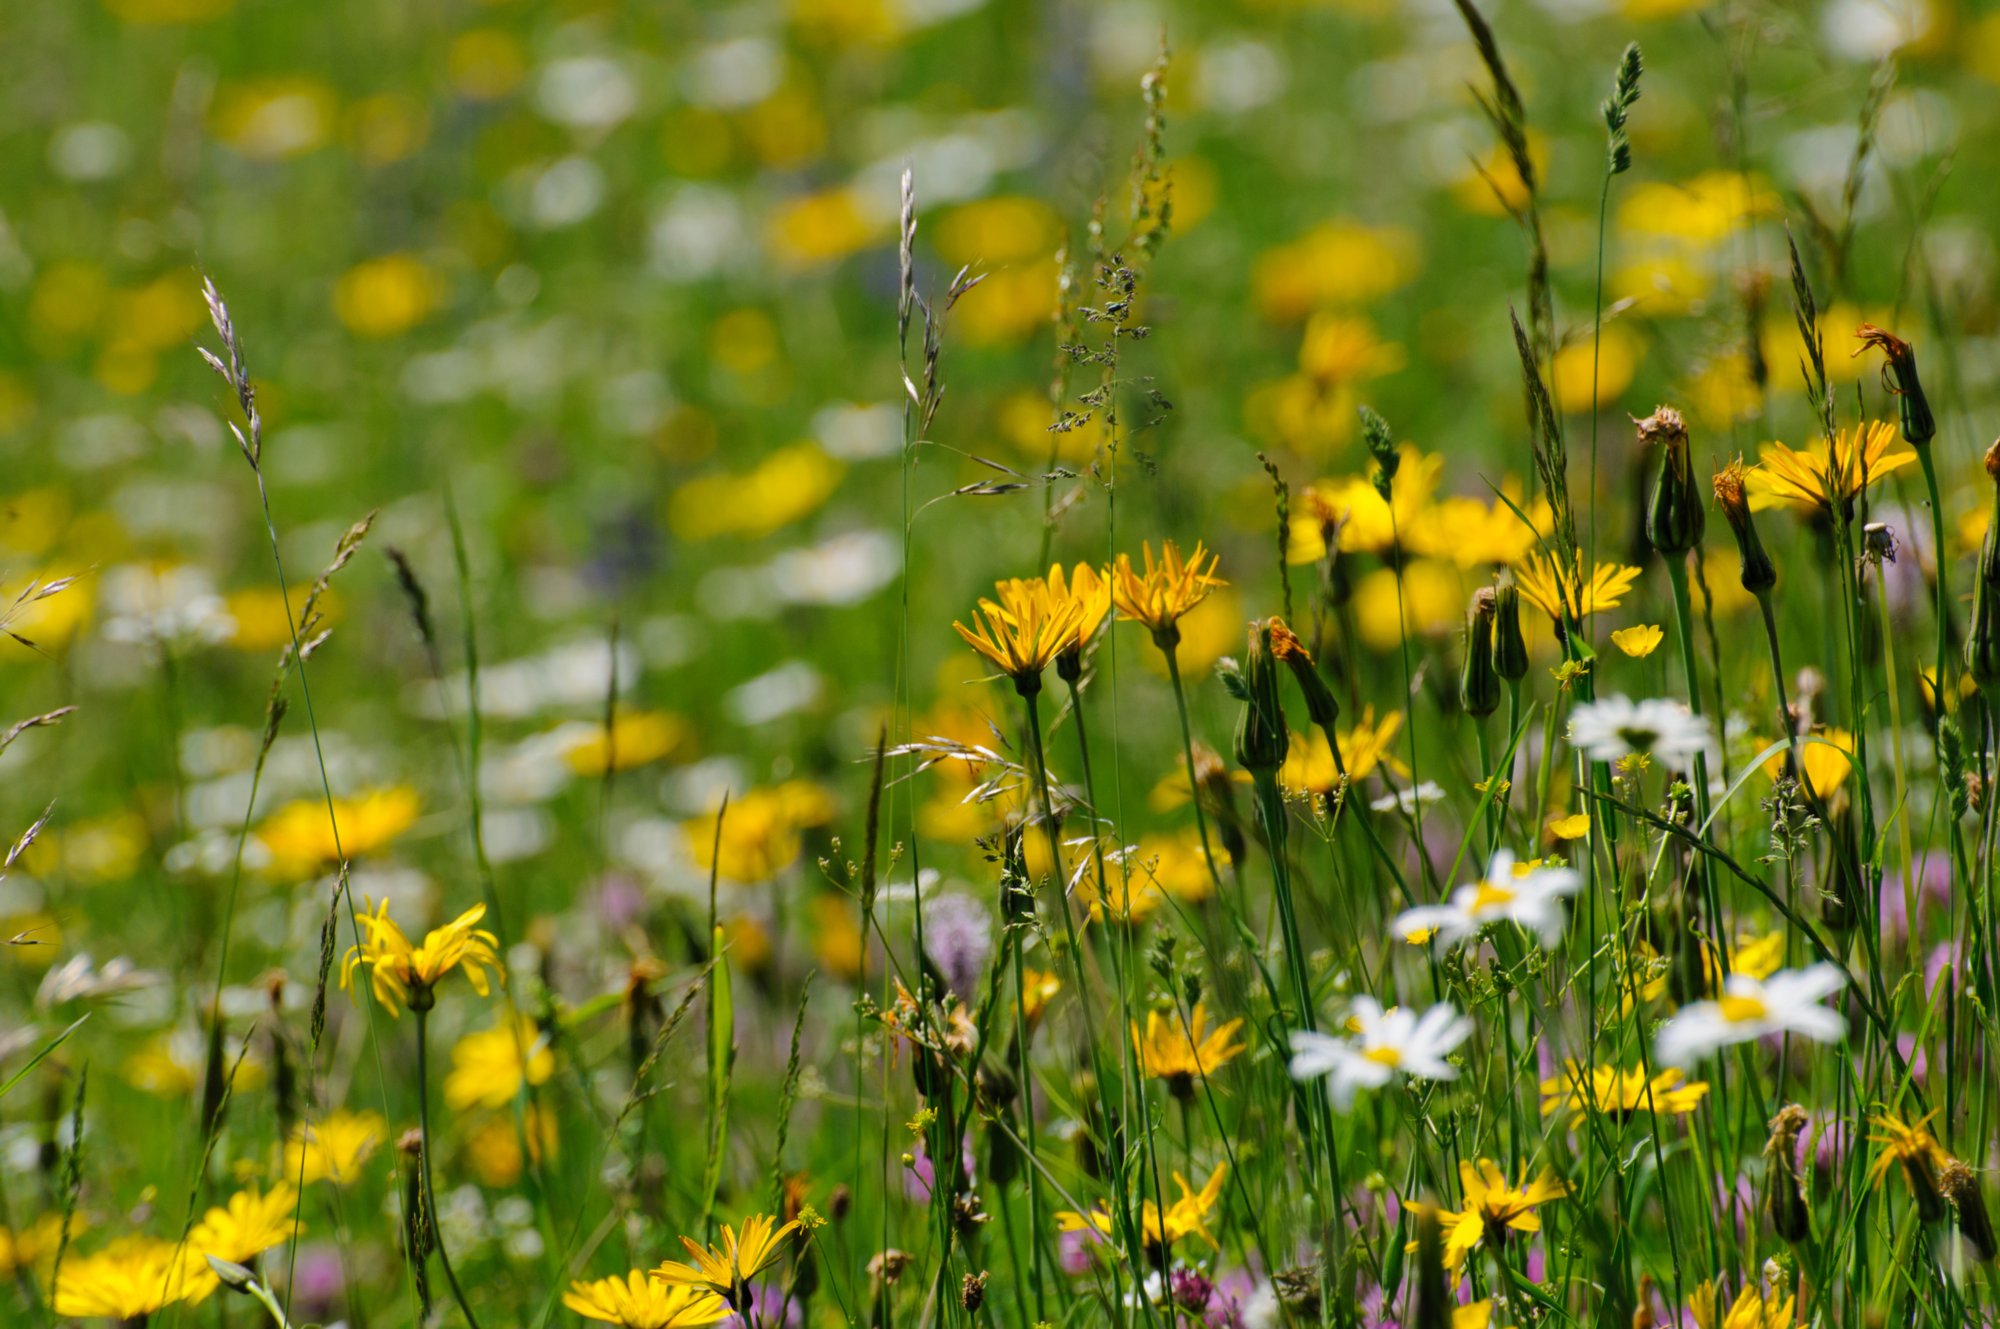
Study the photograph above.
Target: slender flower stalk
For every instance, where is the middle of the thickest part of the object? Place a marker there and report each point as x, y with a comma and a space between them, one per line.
421, 1001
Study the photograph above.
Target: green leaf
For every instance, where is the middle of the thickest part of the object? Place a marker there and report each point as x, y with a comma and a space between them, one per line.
36, 1060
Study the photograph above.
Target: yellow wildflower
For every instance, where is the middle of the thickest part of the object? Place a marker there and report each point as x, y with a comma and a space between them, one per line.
633, 738
1618, 1093
762, 832
1493, 1206
335, 1147
1024, 631
1185, 1217
1639, 641
129, 1279
1167, 590
401, 973
637, 1301
1542, 587
1751, 1310
1823, 765
1573, 827
301, 840
1813, 479
489, 1065
1182, 1052
728, 1269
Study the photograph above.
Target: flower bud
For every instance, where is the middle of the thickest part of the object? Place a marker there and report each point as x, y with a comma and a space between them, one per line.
1261, 737
1478, 682
1510, 648
1758, 574
1982, 642
1321, 705
1790, 1217
1899, 378
235, 1277
1218, 799
1674, 516
1960, 1185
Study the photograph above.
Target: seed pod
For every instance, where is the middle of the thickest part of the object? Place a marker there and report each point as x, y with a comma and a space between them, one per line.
1674, 515
1478, 681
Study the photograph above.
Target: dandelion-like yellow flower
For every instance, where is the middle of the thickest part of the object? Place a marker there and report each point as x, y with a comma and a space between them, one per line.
1751, 1310
726, 1270
300, 839
1812, 480
633, 738
251, 1223
1493, 1206
334, 1148
1543, 587
489, 1065
1910, 1146
761, 832
1167, 590
1181, 1053
402, 974
129, 1279
1023, 631
639, 1302
1090, 591
1186, 1217
1619, 1093
33, 1246
1822, 765
1639, 641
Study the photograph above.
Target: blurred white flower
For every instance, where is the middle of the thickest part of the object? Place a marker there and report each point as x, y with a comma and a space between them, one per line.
1616, 727
1384, 1043
1533, 900
586, 92
150, 606
1786, 1002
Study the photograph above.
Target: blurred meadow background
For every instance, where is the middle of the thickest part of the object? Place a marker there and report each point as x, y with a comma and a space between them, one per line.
573, 330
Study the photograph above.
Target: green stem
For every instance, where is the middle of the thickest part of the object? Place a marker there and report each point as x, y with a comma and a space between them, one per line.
424, 1132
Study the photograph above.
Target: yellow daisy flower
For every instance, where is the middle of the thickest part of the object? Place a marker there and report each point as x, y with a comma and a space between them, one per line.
404, 974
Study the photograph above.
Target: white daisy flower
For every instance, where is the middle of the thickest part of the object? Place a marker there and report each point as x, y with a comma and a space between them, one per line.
1617, 727
1407, 801
1533, 899
1383, 1043
1786, 1002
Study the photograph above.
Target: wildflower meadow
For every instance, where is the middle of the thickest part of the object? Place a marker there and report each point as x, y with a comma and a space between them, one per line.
933, 664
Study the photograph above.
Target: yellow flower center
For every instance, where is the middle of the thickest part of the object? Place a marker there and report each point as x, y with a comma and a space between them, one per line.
1743, 1010
1491, 896
1390, 1057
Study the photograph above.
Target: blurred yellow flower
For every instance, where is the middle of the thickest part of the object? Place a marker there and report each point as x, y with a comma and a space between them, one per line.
1722, 392
1186, 1217
762, 831
1618, 1094
836, 936
1617, 354
300, 838
1491, 186
334, 1148
634, 738
1822, 765
1697, 213
494, 1150
34, 1247
1344, 348
274, 119
788, 484
822, 228
387, 296
251, 1223
1638, 641
171, 1063
485, 64
128, 1280
1573, 827
487, 1064
1368, 525
1660, 284
386, 128
1473, 534
1010, 228
1427, 600
1013, 302
1341, 262
262, 620
785, 131
1751, 1309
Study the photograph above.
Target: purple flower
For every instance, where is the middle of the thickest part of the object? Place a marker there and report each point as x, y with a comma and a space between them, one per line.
767, 1300
958, 933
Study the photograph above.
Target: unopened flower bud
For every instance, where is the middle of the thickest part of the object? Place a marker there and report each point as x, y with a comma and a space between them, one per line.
1674, 516
1510, 647
1261, 737
1790, 1218
1960, 1185
1478, 682
1757, 572
235, 1277
1321, 705
1982, 642
1899, 378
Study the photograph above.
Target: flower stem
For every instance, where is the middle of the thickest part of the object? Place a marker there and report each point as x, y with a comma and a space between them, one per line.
430, 1191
